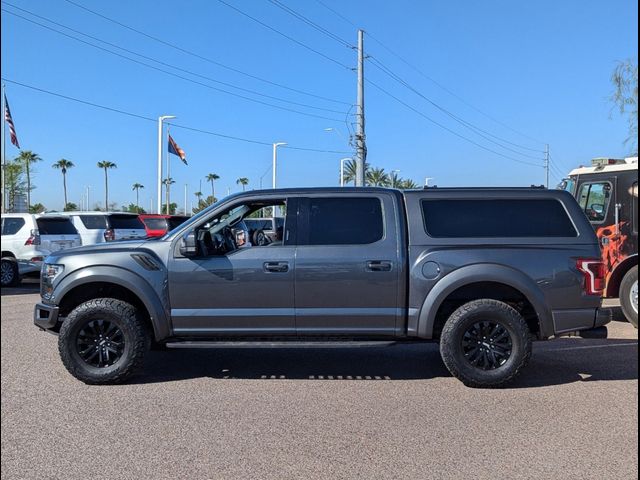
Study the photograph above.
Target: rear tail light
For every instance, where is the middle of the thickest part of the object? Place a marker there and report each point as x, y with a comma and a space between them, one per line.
109, 235
594, 275
34, 238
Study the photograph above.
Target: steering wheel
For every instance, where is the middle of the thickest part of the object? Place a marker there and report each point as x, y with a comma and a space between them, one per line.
229, 242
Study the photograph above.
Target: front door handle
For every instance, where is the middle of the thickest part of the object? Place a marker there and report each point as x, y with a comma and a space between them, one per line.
276, 267
378, 266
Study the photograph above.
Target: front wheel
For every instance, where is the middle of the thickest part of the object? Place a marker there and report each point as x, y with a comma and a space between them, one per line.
10, 274
103, 341
485, 343
629, 296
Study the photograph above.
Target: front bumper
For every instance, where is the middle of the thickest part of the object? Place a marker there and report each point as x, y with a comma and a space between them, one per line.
45, 316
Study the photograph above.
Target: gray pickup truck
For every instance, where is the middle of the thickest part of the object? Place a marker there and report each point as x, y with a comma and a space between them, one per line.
482, 271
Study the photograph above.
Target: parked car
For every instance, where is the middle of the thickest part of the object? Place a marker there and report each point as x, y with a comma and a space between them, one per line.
27, 239
607, 192
481, 271
264, 231
158, 225
99, 227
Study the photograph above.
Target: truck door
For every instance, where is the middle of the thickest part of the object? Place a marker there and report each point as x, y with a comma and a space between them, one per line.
348, 266
248, 291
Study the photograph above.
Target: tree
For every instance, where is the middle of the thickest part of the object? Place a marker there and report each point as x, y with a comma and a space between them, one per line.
407, 184
203, 203
351, 169
133, 208
106, 165
26, 158
63, 165
172, 208
137, 187
70, 207
377, 177
212, 177
625, 97
37, 208
244, 181
14, 183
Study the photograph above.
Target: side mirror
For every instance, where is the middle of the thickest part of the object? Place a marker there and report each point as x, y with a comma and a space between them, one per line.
188, 246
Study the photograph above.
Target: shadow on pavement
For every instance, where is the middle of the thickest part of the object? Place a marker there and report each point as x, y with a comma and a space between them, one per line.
27, 287
551, 364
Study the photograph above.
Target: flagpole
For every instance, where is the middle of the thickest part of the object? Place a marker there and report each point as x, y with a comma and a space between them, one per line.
4, 197
168, 186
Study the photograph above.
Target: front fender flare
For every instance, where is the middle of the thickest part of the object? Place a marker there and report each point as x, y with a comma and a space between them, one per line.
484, 272
157, 308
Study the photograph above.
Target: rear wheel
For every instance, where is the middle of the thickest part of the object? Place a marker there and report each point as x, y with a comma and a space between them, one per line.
629, 296
485, 343
103, 341
9, 272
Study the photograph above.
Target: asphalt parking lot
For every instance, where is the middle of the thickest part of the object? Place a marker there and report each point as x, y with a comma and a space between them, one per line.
391, 412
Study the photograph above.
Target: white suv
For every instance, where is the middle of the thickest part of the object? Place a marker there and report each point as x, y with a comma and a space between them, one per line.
28, 239
99, 227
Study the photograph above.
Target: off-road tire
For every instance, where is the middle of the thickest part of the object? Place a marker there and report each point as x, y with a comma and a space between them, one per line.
451, 345
10, 272
626, 286
136, 341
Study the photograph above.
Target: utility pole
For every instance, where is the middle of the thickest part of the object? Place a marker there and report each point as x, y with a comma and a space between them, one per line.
361, 148
547, 163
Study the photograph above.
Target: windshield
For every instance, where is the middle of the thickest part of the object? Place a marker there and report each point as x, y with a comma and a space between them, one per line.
196, 218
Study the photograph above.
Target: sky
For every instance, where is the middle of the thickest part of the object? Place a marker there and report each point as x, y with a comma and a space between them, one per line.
474, 90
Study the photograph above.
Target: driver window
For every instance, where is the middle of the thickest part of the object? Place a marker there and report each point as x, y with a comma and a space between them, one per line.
251, 225
594, 200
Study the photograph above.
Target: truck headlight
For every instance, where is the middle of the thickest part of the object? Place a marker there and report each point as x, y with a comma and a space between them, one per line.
48, 275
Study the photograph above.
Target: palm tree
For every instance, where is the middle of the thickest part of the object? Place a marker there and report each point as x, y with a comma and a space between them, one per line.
137, 186
350, 171
244, 181
63, 165
377, 177
407, 184
26, 158
212, 177
106, 165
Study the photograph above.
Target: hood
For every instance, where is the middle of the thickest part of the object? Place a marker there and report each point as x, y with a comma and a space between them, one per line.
106, 247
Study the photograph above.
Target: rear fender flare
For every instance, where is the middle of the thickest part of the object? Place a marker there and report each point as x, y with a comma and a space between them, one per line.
483, 273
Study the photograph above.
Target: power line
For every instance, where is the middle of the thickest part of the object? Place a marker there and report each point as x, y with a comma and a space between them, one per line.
171, 65
477, 130
297, 42
453, 132
171, 73
311, 23
201, 57
154, 120
435, 82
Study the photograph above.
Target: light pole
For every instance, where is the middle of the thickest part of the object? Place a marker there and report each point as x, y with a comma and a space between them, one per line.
426, 181
160, 120
342, 160
275, 160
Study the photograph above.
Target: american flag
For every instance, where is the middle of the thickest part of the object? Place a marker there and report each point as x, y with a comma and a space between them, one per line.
9, 120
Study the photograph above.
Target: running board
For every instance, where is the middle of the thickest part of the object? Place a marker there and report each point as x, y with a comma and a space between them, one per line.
283, 344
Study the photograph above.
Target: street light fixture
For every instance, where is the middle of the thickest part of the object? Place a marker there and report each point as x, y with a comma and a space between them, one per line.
159, 186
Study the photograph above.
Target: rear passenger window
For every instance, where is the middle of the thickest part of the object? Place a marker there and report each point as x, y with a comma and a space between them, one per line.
345, 221
11, 226
94, 222
56, 226
505, 218
128, 222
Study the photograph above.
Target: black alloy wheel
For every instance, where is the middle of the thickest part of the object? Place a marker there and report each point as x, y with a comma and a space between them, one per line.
100, 343
487, 345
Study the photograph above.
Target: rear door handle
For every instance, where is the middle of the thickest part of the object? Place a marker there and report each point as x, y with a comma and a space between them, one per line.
276, 267
379, 266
